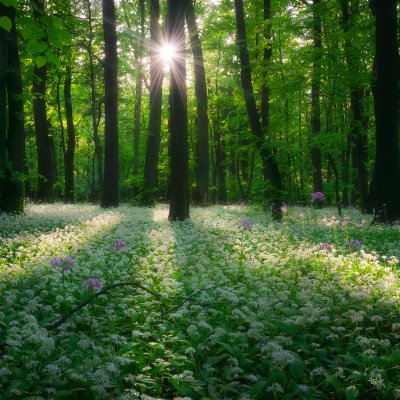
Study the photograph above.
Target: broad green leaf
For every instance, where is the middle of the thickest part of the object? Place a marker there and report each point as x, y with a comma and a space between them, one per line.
41, 61
297, 369
35, 46
27, 32
5, 23
9, 3
351, 393
52, 58
395, 356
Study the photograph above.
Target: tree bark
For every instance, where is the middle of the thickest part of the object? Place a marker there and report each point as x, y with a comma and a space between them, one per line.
200, 195
70, 150
47, 169
385, 190
12, 185
156, 79
3, 91
110, 196
179, 165
315, 99
271, 171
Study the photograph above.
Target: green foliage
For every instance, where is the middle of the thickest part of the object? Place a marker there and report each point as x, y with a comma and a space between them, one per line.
5, 23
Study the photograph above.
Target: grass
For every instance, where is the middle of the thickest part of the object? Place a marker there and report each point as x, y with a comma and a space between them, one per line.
263, 313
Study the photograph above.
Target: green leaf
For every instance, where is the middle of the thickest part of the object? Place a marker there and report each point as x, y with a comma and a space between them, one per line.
9, 3
40, 61
35, 46
52, 58
27, 32
351, 393
5, 23
297, 369
395, 356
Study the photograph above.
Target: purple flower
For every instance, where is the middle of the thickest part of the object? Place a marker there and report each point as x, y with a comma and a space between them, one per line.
56, 261
354, 243
317, 197
245, 224
119, 245
284, 208
92, 283
325, 246
69, 260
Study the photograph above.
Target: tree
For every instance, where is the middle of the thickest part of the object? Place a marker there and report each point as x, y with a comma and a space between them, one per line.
271, 171
179, 164
385, 185
200, 195
46, 158
12, 140
110, 197
156, 79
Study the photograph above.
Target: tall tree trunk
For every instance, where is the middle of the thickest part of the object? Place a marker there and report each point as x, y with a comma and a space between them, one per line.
156, 79
70, 150
45, 154
200, 195
385, 189
315, 98
138, 103
110, 196
12, 187
270, 168
47, 169
95, 118
179, 163
3, 91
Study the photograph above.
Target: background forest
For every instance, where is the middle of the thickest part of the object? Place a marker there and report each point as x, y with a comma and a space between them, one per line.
311, 68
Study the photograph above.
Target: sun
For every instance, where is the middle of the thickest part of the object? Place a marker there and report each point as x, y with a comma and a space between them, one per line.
167, 53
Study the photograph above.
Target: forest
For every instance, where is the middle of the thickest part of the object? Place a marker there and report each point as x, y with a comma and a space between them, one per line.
199, 199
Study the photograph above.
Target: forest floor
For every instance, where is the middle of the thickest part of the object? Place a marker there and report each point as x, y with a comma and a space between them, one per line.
240, 307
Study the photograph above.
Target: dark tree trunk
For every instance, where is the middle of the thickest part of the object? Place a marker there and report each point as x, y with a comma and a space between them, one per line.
156, 79
315, 99
200, 194
270, 168
3, 91
70, 150
45, 154
179, 181
138, 103
110, 197
12, 187
385, 190
47, 169
95, 118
